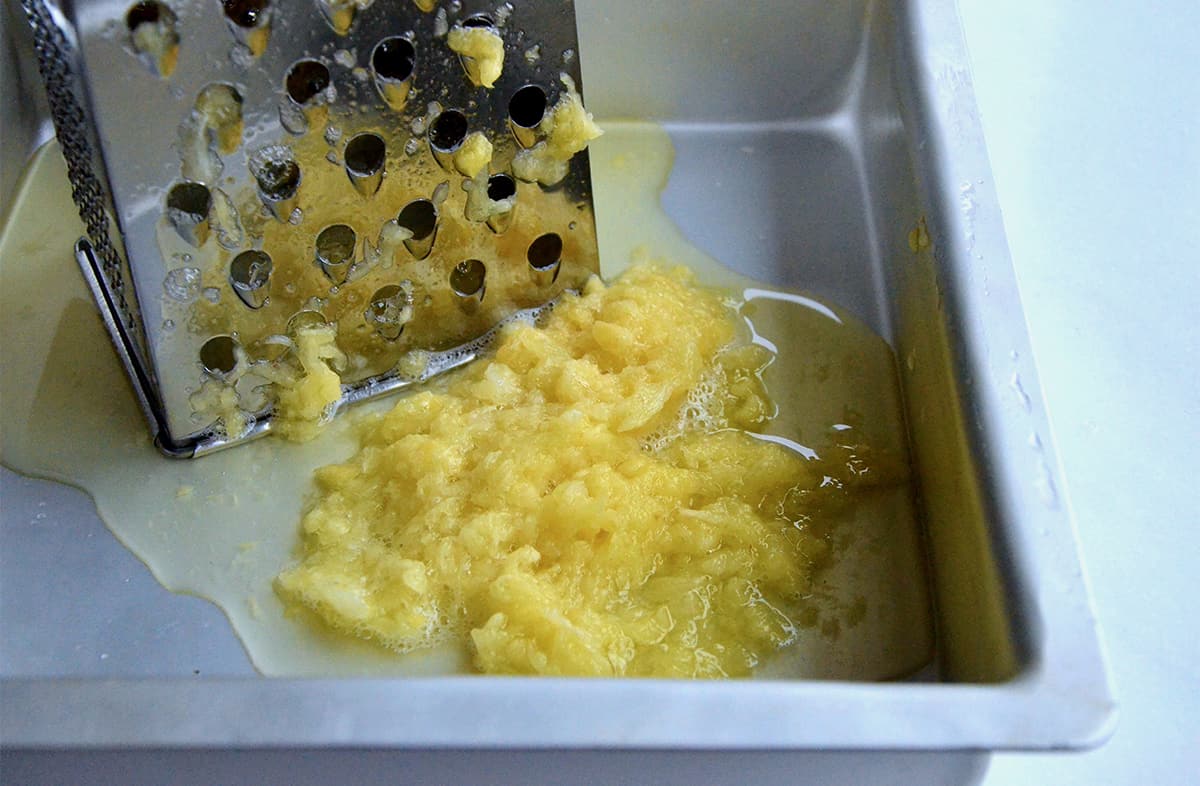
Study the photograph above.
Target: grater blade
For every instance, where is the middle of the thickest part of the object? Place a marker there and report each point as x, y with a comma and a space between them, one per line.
249, 167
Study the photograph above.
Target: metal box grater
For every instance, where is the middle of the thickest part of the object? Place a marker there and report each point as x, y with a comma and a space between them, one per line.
246, 168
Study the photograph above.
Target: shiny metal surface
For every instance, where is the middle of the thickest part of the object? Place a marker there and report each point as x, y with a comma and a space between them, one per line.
865, 127
314, 100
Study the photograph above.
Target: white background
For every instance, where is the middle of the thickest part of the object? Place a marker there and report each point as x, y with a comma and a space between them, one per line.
1091, 109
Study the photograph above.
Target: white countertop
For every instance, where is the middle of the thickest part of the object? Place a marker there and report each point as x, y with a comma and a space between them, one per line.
1092, 117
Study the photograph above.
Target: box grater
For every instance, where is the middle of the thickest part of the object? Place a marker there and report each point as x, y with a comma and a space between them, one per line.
250, 169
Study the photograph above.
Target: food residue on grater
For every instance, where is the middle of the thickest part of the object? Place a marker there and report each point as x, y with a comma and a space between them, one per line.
481, 49
566, 130
153, 34
345, 268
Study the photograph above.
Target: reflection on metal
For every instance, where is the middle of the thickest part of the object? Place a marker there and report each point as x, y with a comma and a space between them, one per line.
220, 106
250, 21
360, 130
545, 258
340, 14
526, 109
307, 90
219, 356
302, 320
392, 64
470, 66
278, 178
468, 281
250, 277
389, 310
188, 208
447, 132
365, 157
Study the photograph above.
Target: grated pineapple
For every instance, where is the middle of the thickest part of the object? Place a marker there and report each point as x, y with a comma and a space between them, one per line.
587, 501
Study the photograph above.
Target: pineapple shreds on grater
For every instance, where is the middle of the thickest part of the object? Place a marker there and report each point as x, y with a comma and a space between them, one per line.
248, 170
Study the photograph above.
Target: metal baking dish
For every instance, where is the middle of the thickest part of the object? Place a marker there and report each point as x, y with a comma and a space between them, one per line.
864, 112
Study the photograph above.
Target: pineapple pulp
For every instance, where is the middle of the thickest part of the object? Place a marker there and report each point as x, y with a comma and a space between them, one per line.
591, 499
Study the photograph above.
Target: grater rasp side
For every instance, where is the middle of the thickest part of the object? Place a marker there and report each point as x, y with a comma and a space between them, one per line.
257, 164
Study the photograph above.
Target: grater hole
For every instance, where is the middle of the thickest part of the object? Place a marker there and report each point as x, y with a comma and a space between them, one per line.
147, 13
278, 179
545, 252
217, 97
245, 13
479, 20
335, 251
394, 59
304, 320
250, 277
153, 35
501, 187
448, 131
365, 154
218, 355
193, 200
527, 107
418, 217
220, 105
364, 158
388, 311
188, 206
306, 80
468, 279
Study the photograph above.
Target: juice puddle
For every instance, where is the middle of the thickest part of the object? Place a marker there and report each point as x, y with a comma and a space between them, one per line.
222, 527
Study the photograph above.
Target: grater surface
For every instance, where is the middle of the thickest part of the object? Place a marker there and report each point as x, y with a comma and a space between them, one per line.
248, 167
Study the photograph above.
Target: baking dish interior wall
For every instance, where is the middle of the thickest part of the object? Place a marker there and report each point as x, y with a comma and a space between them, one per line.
823, 95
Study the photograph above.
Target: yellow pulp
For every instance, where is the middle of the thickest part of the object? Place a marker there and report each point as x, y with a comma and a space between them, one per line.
587, 501
306, 396
474, 155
